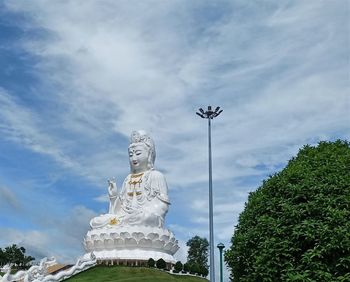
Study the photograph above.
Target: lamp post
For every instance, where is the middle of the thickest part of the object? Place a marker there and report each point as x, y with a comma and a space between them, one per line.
210, 114
221, 246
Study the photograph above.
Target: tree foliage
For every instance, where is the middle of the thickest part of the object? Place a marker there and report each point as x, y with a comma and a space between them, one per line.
195, 268
178, 266
161, 264
186, 267
296, 226
203, 271
15, 255
198, 252
151, 262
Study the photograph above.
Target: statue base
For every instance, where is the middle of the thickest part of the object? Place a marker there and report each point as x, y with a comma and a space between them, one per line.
131, 243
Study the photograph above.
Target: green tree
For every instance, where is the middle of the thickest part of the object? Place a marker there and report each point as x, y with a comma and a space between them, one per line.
178, 266
186, 267
3, 259
15, 255
198, 252
161, 264
295, 227
203, 271
151, 262
195, 268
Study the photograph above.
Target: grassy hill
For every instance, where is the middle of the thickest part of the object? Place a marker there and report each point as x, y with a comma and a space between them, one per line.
129, 274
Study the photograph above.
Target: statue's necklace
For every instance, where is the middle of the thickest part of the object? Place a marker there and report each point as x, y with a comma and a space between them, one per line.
135, 179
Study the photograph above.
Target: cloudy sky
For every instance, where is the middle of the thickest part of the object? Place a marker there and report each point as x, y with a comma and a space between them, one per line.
77, 77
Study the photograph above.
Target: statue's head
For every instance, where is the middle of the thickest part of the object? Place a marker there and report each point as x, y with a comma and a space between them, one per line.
142, 153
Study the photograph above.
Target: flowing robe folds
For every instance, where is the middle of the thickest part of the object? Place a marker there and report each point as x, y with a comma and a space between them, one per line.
142, 203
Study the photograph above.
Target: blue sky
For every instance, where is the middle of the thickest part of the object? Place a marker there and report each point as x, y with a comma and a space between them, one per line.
77, 77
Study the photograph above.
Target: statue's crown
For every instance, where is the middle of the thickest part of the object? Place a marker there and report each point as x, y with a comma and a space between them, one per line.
141, 136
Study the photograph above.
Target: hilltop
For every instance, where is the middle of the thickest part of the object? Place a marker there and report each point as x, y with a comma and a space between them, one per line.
130, 274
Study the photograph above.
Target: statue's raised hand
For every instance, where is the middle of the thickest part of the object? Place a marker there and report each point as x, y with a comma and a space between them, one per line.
112, 188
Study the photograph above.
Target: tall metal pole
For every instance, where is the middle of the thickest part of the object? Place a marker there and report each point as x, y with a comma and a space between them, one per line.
211, 226
210, 114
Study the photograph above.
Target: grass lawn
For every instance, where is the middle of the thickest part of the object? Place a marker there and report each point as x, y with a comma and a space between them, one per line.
129, 274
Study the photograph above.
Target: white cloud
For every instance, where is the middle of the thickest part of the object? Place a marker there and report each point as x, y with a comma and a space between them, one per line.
102, 198
8, 199
59, 237
21, 125
115, 70
181, 254
35, 240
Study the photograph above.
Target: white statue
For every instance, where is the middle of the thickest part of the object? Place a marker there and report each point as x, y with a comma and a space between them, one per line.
143, 200
133, 229
34, 273
81, 264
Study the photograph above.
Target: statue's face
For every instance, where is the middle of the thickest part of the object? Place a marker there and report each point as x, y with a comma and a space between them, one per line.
138, 158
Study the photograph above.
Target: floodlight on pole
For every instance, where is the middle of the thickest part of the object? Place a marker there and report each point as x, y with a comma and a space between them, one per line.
210, 114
